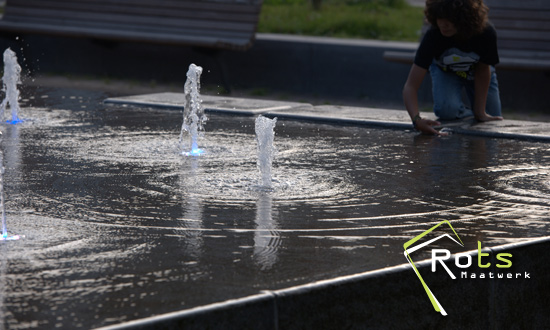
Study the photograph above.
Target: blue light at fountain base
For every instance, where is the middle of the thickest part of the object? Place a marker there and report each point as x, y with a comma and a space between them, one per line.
5, 236
15, 121
10, 238
193, 152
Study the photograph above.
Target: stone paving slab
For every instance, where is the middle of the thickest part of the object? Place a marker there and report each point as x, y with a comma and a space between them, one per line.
518, 129
230, 105
508, 129
389, 118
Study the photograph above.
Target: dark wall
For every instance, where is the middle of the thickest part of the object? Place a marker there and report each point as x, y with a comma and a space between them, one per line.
350, 70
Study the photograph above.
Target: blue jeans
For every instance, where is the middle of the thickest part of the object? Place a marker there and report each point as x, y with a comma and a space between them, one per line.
447, 95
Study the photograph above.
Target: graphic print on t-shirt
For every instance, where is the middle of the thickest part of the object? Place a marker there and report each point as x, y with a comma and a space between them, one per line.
459, 62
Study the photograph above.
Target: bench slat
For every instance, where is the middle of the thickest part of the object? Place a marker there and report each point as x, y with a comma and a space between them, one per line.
250, 7
528, 45
189, 39
524, 64
203, 10
524, 35
518, 4
400, 57
506, 62
529, 26
518, 14
67, 18
44, 25
408, 57
156, 34
525, 54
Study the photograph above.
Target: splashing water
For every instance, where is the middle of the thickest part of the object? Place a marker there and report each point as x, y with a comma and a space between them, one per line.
193, 113
11, 78
264, 136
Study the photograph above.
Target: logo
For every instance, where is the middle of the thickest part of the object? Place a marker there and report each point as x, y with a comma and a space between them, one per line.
461, 260
437, 306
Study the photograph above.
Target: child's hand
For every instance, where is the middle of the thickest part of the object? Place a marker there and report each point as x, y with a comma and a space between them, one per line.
426, 126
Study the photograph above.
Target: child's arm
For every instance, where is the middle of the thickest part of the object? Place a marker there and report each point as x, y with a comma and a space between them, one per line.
410, 98
482, 79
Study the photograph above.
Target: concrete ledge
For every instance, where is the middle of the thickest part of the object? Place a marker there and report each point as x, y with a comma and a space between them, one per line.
228, 105
389, 298
511, 129
386, 118
254, 312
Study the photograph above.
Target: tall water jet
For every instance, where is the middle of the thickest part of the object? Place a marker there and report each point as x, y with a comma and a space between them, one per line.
193, 113
264, 136
11, 78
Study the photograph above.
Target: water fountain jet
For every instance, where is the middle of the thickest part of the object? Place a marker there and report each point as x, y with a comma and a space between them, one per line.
264, 136
11, 78
193, 113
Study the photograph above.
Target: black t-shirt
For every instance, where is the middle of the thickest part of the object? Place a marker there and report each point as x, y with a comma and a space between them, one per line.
454, 55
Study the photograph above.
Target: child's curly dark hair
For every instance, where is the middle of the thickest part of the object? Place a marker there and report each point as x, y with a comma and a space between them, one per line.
468, 16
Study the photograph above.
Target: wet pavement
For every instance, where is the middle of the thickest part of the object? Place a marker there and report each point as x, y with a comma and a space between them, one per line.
119, 226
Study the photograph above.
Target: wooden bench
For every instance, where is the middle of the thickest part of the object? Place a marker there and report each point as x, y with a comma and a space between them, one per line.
523, 30
221, 24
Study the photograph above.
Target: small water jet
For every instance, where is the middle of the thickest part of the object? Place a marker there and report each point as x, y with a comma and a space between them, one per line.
193, 113
264, 136
11, 78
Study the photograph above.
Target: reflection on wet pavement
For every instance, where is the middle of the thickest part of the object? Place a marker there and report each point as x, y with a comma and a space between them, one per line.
118, 225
